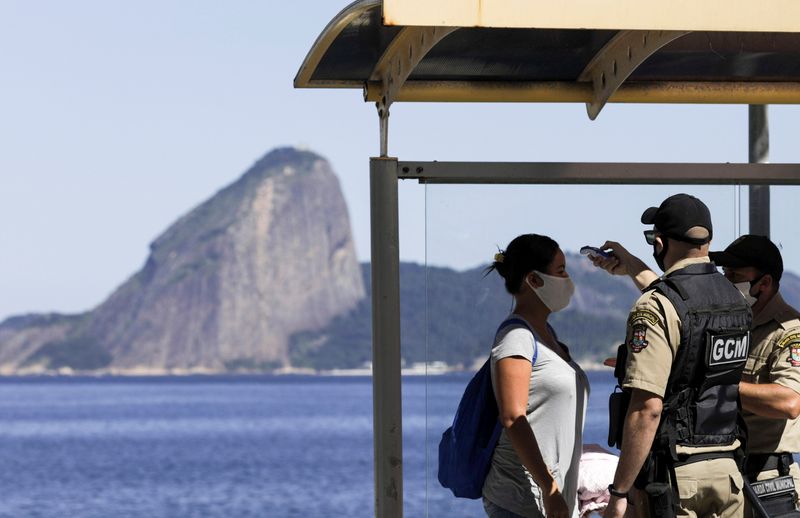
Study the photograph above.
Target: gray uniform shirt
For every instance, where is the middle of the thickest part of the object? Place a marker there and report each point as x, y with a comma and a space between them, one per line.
557, 398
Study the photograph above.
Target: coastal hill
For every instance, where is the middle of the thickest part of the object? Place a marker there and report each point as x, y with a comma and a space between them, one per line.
223, 288
450, 316
263, 276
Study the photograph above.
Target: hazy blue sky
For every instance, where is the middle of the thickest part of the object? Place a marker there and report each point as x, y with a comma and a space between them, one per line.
116, 118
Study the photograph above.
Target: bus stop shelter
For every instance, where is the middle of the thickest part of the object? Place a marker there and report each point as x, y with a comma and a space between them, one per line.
573, 51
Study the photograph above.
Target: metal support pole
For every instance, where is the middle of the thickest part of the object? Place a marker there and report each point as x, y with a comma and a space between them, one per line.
759, 154
386, 387
383, 116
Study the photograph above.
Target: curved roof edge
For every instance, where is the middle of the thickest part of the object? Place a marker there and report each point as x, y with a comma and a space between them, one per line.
327, 37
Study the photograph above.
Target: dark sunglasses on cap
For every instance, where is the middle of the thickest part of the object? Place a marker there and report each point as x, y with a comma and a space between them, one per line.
650, 236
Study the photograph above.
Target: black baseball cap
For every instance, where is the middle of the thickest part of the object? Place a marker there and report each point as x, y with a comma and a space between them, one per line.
751, 250
677, 214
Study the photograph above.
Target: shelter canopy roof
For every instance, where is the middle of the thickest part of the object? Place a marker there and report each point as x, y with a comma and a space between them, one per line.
715, 51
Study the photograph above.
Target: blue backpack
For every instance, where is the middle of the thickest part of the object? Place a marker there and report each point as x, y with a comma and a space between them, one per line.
466, 448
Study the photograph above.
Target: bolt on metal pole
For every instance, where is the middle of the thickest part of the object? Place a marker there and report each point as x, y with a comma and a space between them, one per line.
758, 136
386, 377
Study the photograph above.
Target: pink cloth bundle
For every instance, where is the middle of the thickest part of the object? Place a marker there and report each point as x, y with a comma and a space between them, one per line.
596, 472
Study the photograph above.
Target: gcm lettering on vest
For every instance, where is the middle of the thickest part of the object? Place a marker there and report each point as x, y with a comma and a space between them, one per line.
728, 349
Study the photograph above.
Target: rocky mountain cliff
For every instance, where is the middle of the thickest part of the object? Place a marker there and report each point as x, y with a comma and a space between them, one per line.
263, 275
223, 288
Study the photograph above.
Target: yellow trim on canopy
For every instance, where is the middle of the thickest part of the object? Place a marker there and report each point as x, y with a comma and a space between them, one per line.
680, 15
555, 92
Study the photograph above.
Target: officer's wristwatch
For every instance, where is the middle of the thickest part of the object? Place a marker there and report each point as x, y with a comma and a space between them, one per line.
616, 492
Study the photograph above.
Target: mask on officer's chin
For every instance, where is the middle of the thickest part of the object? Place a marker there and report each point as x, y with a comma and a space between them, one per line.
555, 292
744, 288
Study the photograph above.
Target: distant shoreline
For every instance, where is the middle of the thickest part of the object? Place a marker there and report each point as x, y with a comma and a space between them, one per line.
431, 369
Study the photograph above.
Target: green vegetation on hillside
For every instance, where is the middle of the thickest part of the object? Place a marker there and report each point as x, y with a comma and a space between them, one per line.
78, 353
451, 316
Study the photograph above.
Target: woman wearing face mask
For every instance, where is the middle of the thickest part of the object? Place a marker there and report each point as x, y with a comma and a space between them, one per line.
541, 393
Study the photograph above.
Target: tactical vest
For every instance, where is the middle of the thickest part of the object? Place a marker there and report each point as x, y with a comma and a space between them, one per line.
701, 402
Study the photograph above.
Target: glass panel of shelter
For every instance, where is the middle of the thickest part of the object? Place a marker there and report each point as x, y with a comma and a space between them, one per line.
784, 233
447, 342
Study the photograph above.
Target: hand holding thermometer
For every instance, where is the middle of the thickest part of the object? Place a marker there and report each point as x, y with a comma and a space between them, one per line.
593, 252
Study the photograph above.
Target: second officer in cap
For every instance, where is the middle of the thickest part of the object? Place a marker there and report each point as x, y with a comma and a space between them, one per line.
770, 387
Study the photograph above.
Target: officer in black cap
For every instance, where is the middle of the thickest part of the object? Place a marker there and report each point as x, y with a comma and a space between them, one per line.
680, 366
770, 387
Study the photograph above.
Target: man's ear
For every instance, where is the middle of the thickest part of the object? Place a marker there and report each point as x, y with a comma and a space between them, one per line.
766, 283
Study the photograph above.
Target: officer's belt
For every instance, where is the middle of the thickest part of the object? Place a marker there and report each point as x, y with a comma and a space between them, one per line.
697, 457
755, 463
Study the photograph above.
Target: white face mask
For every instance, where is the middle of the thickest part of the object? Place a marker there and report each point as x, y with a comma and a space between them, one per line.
555, 293
744, 288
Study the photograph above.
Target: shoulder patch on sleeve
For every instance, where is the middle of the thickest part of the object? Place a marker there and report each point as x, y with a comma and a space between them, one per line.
792, 338
794, 355
638, 341
643, 315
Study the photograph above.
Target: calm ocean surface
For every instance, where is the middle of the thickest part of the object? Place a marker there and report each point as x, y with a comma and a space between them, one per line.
222, 446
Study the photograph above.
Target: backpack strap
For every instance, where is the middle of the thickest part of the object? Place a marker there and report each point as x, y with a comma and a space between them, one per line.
516, 322
553, 331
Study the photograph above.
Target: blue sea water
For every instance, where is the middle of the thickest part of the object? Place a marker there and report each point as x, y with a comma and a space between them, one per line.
222, 446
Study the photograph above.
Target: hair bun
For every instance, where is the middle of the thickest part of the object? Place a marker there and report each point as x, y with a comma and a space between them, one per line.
500, 264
